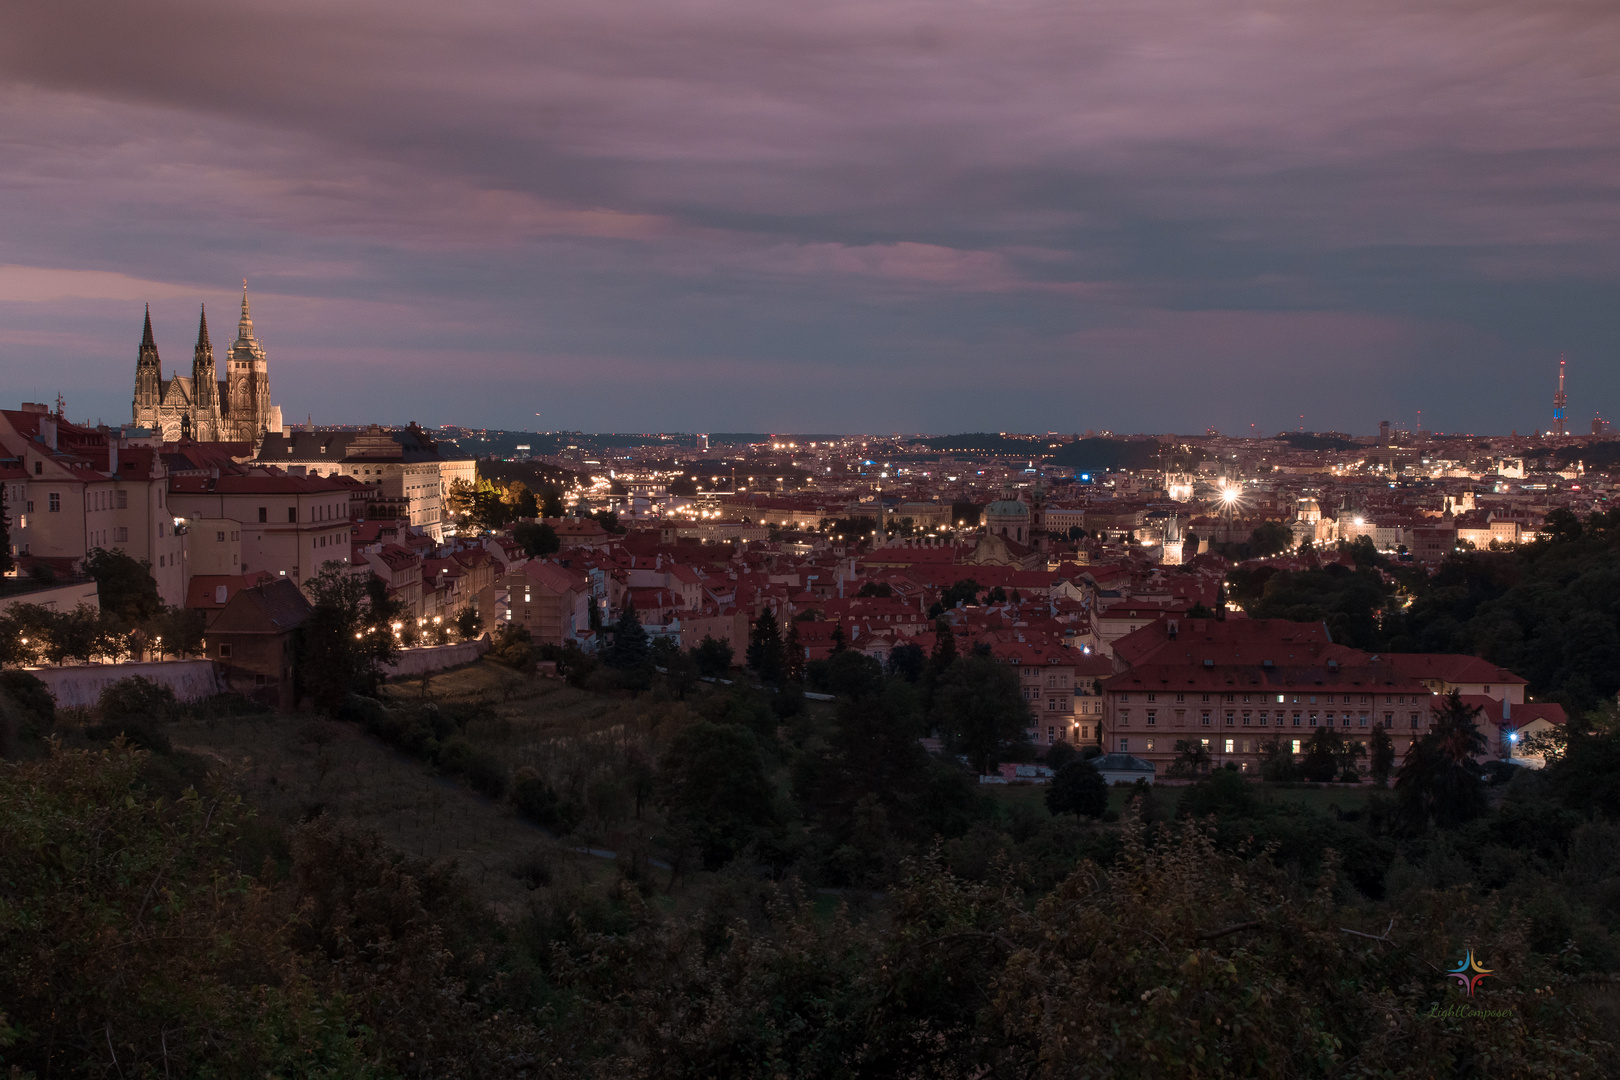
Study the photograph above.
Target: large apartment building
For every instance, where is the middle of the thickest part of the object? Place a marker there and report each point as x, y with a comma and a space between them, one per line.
404, 475
71, 489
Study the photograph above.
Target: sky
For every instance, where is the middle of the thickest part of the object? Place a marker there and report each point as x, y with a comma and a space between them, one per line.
818, 215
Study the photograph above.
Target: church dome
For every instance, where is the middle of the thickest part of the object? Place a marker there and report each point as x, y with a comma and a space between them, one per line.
1007, 508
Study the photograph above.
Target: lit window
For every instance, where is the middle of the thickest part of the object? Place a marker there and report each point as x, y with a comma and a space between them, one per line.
1229, 745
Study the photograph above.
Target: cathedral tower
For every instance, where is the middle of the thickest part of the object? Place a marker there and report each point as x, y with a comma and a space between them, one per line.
204, 386
248, 403
148, 379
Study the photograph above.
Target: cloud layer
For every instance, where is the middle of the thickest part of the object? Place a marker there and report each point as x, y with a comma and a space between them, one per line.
692, 214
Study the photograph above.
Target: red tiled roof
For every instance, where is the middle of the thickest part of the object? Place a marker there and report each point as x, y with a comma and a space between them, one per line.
1452, 668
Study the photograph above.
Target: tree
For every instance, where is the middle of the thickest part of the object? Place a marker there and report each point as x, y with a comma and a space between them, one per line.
480, 506
538, 539
1382, 757
1192, 759
1060, 754
1277, 760
1078, 788
680, 668
1323, 751
713, 782
713, 657
178, 632
848, 674
124, 585
1270, 538
521, 500
907, 660
1439, 780
876, 588
965, 591
982, 710
997, 595
127, 924
469, 623
767, 655
348, 633
838, 644
630, 647
944, 653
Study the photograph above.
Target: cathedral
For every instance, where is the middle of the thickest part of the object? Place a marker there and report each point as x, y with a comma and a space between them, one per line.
204, 407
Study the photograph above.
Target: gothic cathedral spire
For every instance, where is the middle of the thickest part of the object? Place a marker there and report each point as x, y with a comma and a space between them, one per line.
148, 378
204, 382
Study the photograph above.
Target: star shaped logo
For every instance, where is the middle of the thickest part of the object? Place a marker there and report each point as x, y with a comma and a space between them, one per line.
1469, 972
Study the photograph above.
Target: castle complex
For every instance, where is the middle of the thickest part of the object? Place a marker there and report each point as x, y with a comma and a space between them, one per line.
205, 407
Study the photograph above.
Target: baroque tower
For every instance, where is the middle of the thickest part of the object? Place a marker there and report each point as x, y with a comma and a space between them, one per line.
248, 378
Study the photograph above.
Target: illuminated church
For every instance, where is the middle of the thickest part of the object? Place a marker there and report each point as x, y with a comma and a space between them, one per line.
204, 406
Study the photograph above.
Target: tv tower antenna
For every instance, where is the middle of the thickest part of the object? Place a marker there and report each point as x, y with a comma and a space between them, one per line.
1560, 399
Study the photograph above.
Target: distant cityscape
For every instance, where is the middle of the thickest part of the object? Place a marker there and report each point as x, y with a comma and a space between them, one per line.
1050, 548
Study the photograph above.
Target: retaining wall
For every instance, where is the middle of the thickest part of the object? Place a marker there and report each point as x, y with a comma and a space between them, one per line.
78, 687
437, 657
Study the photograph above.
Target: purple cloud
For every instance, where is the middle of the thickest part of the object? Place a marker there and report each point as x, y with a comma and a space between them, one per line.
722, 214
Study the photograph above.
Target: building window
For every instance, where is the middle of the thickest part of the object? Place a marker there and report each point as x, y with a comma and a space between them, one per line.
121, 534
1246, 719
224, 651
1153, 717
1180, 697
219, 538
123, 504
1296, 719
54, 502
264, 513
1229, 745
1150, 746
1296, 746
1124, 746
1229, 718
1152, 697
292, 515
1204, 717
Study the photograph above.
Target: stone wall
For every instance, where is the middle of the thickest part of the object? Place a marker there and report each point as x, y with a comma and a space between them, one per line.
437, 657
81, 686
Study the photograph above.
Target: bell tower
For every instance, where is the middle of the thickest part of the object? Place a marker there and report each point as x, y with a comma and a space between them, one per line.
249, 379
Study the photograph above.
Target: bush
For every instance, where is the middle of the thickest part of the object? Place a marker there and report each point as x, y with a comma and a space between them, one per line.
486, 776
136, 698
38, 707
1078, 788
141, 734
456, 756
513, 648
539, 802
